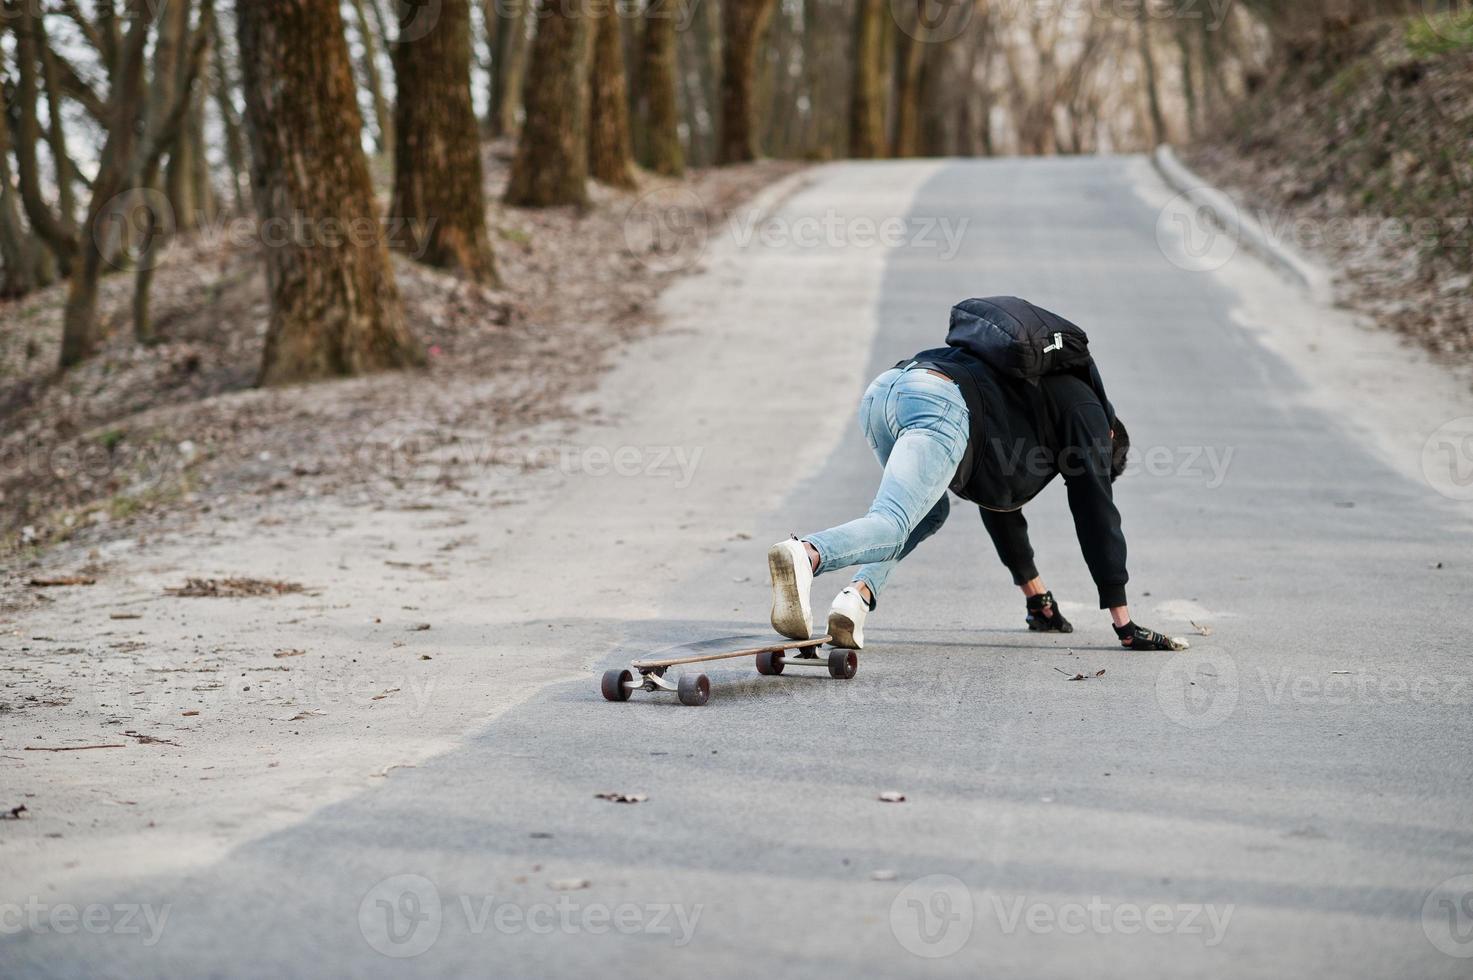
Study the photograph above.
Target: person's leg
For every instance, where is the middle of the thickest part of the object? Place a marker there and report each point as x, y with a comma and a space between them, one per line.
791, 563
930, 418
874, 576
917, 474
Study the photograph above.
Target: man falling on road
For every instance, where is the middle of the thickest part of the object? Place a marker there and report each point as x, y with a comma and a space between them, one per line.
1012, 401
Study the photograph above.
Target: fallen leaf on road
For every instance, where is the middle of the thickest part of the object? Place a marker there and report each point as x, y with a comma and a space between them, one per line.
419, 627
189, 714
1082, 677
14, 812
1201, 628
124, 615
892, 796
72, 748
231, 588
288, 653
568, 884
425, 656
380, 697
46, 583
386, 769
622, 797
302, 715
143, 739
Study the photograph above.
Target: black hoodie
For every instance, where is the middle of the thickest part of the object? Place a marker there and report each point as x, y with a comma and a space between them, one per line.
1023, 434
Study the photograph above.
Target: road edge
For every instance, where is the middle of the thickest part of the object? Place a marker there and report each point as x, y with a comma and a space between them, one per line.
1314, 278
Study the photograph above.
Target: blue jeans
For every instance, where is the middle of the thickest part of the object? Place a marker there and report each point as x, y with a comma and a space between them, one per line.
917, 425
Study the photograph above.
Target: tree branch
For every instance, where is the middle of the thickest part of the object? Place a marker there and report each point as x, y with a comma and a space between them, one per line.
59, 238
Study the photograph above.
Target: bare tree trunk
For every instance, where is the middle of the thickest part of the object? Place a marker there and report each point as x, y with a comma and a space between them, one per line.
743, 24
657, 81
1148, 63
1188, 78
15, 247
610, 159
66, 171
383, 137
911, 55
867, 97
439, 203
177, 176
224, 87
551, 165
125, 98
509, 64
59, 236
334, 310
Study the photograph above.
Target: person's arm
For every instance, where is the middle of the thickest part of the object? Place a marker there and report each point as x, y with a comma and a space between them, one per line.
1009, 533
1085, 464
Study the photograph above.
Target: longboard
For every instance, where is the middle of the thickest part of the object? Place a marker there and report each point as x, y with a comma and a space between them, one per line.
695, 689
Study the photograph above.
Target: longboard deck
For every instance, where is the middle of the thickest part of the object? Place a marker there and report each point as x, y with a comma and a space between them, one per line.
694, 688
816, 641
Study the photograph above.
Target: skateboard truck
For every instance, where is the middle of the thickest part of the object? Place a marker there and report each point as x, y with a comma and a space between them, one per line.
695, 689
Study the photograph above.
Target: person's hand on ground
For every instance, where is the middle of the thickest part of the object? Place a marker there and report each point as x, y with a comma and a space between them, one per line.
1134, 637
1044, 615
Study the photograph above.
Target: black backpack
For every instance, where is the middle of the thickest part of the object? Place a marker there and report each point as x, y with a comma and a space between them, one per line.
1018, 339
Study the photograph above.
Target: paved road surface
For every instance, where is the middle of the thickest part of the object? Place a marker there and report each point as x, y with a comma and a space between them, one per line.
1285, 800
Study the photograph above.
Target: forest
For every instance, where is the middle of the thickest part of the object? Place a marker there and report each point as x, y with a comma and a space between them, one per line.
128, 122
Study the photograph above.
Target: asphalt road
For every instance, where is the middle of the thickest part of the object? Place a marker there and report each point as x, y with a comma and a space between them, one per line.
1290, 798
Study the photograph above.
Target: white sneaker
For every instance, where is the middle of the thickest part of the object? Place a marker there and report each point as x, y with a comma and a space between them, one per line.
792, 579
846, 619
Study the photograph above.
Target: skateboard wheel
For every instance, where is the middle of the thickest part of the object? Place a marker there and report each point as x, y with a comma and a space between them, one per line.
614, 684
843, 663
695, 690
770, 662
